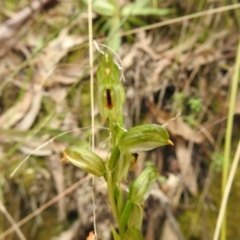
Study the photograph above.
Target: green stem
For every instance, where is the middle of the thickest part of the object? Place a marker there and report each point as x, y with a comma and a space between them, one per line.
227, 147
112, 200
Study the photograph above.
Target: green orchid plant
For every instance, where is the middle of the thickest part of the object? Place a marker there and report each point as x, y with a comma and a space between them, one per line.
126, 206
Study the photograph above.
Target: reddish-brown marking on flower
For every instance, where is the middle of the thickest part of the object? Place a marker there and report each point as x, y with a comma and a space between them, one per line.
109, 99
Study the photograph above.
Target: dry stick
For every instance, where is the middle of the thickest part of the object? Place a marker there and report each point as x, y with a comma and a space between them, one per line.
90, 40
181, 19
91, 68
226, 193
11, 220
45, 206
174, 20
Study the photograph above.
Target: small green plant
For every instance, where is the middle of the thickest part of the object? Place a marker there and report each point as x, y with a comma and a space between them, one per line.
126, 206
182, 103
218, 161
195, 105
115, 17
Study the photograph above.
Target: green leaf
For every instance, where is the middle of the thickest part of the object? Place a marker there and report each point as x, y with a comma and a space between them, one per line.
126, 213
136, 217
147, 12
115, 234
133, 234
114, 38
144, 138
85, 159
122, 167
140, 185
114, 158
104, 8
136, 21
138, 4
141, 8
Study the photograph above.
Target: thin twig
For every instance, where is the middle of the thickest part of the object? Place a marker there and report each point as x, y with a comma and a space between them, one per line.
11, 220
179, 19
90, 40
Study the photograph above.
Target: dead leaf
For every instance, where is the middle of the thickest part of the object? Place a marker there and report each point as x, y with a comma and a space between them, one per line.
168, 232
184, 154
10, 27
177, 127
148, 50
192, 61
69, 233
58, 94
170, 186
32, 147
56, 169
17, 112
180, 128
32, 113
182, 47
50, 56
68, 74
159, 67
129, 58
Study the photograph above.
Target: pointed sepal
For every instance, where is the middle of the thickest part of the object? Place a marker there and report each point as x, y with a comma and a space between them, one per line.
85, 159
144, 138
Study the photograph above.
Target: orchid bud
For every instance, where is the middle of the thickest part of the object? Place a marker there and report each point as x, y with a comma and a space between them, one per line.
84, 159
107, 68
140, 185
143, 138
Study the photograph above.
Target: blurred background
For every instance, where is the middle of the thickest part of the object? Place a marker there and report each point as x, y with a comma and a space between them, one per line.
178, 62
